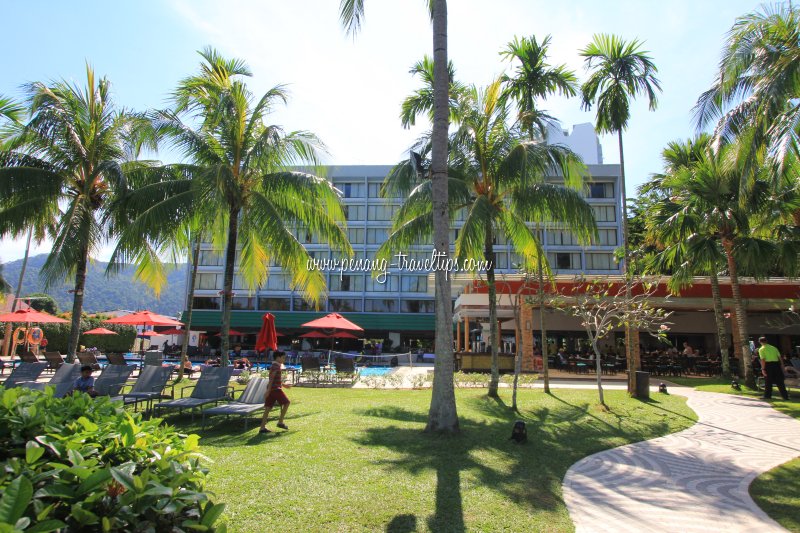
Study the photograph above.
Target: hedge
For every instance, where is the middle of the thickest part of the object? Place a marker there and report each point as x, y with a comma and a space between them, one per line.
58, 336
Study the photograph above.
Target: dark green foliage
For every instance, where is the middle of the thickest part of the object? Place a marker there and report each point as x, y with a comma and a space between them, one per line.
58, 336
78, 464
43, 302
107, 293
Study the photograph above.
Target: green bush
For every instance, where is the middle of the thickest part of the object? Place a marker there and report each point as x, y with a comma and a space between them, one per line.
58, 336
83, 464
471, 379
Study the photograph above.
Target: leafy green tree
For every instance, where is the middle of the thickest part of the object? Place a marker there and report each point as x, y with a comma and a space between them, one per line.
535, 79
705, 206
5, 286
621, 71
498, 177
239, 182
442, 415
43, 302
67, 164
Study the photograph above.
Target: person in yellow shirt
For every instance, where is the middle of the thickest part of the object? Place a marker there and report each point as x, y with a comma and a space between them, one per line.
771, 369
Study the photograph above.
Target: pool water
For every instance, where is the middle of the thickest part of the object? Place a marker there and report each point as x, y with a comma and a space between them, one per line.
375, 371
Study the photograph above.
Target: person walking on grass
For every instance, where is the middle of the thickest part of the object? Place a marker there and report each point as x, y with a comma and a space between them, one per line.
275, 392
771, 369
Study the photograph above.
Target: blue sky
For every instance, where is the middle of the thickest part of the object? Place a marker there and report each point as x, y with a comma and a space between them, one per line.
348, 91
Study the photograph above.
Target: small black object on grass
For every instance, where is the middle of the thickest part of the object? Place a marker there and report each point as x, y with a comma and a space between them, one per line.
735, 385
519, 433
662, 387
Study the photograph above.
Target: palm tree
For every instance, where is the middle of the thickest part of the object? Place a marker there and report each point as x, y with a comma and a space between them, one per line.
442, 415
621, 71
498, 176
536, 79
705, 207
68, 164
684, 256
756, 90
240, 185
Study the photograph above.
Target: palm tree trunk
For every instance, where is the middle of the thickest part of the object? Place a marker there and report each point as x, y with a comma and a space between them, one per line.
187, 320
518, 348
741, 318
77, 304
9, 325
227, 285
543, 329
488, 255
442, 414
630, 351
719, 318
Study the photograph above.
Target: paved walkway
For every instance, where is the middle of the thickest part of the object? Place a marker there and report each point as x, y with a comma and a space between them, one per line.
692, 481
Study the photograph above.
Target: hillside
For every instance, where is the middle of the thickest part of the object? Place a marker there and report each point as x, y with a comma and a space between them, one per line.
104, 293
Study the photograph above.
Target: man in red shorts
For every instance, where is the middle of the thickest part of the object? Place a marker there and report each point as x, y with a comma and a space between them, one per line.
275, 392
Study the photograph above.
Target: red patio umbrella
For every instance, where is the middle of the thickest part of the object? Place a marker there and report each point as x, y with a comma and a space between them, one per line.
314, 335
100, 331
231, 332
149, 333
145, 318
333, 321
172, 331
267, 338
343, 335
31, 315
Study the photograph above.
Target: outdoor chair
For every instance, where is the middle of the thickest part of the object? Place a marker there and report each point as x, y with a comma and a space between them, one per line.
111, 379
250, 401
345, 370
311, 371
212, 387
153, 358
63, 380
116, 359
24, 372
54, 359
28, 356
89, 359
148, 386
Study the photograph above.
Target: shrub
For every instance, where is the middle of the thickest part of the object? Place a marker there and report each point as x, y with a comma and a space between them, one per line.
58, 336
471, 379
244, 377
83, 464
418, 381
393, 380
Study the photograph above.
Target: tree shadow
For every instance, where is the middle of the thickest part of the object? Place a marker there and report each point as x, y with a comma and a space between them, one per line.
402, 523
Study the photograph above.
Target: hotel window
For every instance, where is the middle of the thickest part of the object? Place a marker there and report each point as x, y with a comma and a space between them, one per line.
344, 304
273, 304
414, 284
374, 190
351, 190
239, 283
390, 284
201, 302
381, 212
605, 237
301, 305
605, 213
600, 190
380, 306
500, 260
243, 303
210, 258
355, 235
417, 306
277, 282
561, 238
564, 260
377, 235
207, 281
347, 283
354, 212
600, 262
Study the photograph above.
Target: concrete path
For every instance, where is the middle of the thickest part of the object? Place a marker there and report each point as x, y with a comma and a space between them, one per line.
692, 481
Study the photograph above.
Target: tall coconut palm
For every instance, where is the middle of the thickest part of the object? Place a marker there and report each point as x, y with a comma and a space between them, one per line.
498, 176
620, 71
756, 93
442, 414
240, 183
535, 79
706, 208
68, 164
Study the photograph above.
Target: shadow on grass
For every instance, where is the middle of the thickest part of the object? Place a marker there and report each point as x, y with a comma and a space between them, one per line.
402, 523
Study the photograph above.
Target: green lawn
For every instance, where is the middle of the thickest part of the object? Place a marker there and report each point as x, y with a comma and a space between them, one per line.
357, 460
777, 492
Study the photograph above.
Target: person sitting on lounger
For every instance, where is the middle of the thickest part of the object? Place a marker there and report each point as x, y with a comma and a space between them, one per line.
85, 383
213, 362
243, 364
187, 367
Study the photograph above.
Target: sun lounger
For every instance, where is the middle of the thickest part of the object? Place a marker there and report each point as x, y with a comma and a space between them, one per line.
111, 379
29, 357
250, 401
24, 372
148, 386
345, 370
212, 387
90, 359
116, 359
54, 359
63, 380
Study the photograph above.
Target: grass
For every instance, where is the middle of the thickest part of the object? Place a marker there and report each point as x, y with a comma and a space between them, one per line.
357, 460
777, 491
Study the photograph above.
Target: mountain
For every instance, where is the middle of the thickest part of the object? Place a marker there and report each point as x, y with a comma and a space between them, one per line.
104, 293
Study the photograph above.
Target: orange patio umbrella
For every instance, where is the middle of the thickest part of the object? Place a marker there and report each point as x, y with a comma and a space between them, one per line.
333, 321
31, 315
100, 331
145, 318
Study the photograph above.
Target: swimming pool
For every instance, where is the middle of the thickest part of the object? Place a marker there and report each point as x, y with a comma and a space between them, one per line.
375, 371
